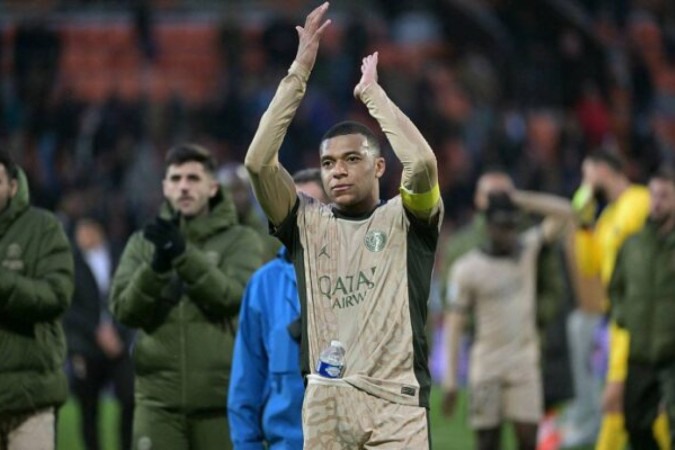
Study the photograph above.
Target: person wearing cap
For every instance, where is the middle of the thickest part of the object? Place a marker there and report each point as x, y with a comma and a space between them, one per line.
496, 282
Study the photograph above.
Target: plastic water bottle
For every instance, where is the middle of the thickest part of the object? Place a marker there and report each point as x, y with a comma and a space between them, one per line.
332, 360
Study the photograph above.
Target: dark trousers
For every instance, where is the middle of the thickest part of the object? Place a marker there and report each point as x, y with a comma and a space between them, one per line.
90, 377
647, 388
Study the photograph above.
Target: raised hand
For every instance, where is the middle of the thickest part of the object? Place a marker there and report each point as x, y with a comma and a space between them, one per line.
168, 241
310, 35
368, 74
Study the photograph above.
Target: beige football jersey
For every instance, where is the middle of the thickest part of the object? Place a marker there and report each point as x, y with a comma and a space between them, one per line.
365, 282
501, 293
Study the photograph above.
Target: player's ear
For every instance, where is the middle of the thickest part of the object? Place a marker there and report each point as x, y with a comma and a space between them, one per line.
13, 187
213, 187
380, 166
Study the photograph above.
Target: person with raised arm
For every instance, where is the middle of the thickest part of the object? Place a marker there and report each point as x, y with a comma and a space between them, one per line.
363, 264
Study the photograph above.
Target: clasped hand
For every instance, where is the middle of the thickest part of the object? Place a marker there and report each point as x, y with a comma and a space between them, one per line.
168, 241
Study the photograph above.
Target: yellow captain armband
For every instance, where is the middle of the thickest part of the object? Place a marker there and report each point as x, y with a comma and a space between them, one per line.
424, 201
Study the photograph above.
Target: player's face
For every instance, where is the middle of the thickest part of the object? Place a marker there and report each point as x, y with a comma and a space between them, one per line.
8, 188
662, 200
351, 171
188, 187
503, 238
88, 235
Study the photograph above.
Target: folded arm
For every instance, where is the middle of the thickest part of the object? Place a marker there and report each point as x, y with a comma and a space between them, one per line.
47, 294
218, 288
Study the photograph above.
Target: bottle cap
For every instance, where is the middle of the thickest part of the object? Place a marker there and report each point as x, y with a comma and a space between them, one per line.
336, 344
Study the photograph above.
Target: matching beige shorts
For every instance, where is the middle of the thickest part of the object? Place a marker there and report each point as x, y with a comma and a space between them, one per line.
337, 416
494, 402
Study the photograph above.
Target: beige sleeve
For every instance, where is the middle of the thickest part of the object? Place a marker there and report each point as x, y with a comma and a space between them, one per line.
272, 184
420, 172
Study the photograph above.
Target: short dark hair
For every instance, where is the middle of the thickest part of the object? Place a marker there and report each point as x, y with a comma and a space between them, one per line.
183, 153
609, 158
664, 173
10, 166
352, 127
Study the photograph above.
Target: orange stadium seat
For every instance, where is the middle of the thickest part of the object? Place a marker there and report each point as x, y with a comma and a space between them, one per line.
100, 57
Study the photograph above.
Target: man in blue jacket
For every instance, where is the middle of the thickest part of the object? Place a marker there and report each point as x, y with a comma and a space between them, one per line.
266, 387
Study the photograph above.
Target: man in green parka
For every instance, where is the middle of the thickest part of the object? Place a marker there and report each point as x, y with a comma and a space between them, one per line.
36, 283
180, 282
642, 294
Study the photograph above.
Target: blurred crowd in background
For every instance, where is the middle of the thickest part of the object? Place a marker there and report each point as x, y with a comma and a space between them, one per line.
94, 93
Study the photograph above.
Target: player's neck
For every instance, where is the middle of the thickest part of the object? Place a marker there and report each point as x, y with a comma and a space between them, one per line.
357, 211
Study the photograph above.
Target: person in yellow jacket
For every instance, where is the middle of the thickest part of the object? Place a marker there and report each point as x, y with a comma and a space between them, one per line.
596, 246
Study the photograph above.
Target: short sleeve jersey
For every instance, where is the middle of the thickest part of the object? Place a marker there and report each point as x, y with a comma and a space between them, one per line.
501, 292
365, 282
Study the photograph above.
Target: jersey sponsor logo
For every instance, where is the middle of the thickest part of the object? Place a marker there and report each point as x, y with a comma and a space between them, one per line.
375, 240
347, 290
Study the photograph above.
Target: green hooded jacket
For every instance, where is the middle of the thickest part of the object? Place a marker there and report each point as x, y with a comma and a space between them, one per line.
642, 294
186, 317
36, 284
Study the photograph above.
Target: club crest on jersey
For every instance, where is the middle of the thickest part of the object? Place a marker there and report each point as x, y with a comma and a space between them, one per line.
375, 240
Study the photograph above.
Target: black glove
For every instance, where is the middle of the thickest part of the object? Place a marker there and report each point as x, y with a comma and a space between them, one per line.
169, 243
